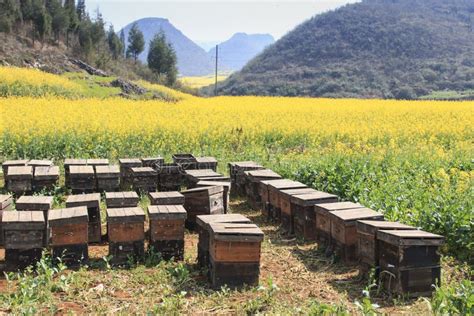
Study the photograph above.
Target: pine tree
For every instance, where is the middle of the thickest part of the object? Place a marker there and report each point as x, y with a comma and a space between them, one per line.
10, 12
41, 20
122, 40
59, 18
162, 58
115, 44
81, 10
136, 42
70, 7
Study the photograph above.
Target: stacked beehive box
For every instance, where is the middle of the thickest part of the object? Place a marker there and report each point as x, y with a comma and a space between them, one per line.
108, 178
71, 162
236, 173
95, 162
206, 163
20, 179
153, 162
92, 202
225, 185
203, 229
35, 203
82, 179
275, 189
68, 230
12, 163
45, 178
24, 238
144, 179
234, 254
39, 163
409, 261
287, 211
6, 204
170, 177
185, 161
203, 201
126, 176
167, 230
193, 176
126, 232
121, 199
252, 179
166, 198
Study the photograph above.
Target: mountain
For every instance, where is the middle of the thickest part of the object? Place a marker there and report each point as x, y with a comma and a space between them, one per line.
239, 49
192, 59
372, 49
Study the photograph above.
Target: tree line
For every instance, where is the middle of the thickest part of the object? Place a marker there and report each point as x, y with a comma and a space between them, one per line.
67, 22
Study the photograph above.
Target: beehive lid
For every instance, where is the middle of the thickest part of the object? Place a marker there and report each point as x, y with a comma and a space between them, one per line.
20, 172
144, 171
158, 160
85, 170
206, 159
206, 183
290, 192
47, 172
202, 173
337, 206
371, 227
349, 217
37, 202
410, 238
204, 220
107, 170
38, 162
130, 161
23, 220
259, 174
98, 162
121, 195
75, 161
72, 215
19, 162
204, 190
90, 199
245, 164
286, 184
312, 198
171, 197
236, 232
166, 212
184, 156
5, 200
125, 215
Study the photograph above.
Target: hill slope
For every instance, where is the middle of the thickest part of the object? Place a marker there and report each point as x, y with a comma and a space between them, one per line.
377, 48
239, 49
192, 59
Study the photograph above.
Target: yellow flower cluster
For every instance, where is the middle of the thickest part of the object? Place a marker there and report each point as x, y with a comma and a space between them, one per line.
199, 82
36, 78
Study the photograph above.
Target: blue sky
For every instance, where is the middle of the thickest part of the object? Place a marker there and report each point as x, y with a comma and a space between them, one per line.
218, 20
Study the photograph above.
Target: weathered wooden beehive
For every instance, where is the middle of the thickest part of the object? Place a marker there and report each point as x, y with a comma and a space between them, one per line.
252, 180
97, 162
344, 231
153, 162
126, 232
68, 239
71, 162
20, 179
82, 179
409, 261
170, 177
234, 254
203, 201
126, 176
144, 179
236, 173
225, 184
287, 215
367, 245
166, 198
323, 220
45, 178
121, 199
12, 163
193, 176
203, 229
206, 163
274, 193
108, 178
6, 204
35, 203
167, 230
185, 161
39, 163
24, 235
92, 202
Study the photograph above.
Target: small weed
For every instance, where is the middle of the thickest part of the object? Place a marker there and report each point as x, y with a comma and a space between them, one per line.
263, 301
365, 306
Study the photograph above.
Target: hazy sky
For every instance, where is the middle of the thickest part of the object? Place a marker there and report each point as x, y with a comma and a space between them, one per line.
216, 20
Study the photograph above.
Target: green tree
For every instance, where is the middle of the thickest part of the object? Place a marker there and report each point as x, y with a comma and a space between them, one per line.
136, 42
115, 44
162, 58
10, 12
41, 20
59, 18
70, 8
81, 10
84, 36
122, 40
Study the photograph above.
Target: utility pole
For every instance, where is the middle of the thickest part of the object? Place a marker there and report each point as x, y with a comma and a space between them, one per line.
217, 57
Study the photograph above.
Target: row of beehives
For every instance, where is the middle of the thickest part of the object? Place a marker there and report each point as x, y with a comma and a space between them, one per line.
406, 259
97, 175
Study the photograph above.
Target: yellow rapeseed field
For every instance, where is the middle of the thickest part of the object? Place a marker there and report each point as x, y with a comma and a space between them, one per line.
33, 77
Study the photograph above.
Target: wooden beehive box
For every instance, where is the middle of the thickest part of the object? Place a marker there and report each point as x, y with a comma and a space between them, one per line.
126, 233
203, 229
236, 173
45, 178
24, 238
121, 199
126, 176
40, 163
274, 193
92, 202
166, 198
170, 177
108, 178
193, 176
344, 231
323, 220
82, 179
203, 201
252, 184
225, 184
167, 230
72, 162
12, 163
97, 162
234, 254
287, 215
6, 204
68, 238
35, 203
144, 179
409, 261
367, 245
153, 162
20, 179
185, 161
206, 163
